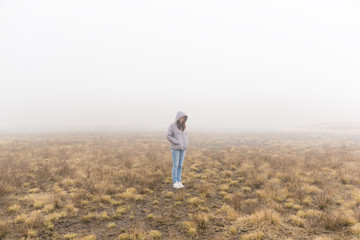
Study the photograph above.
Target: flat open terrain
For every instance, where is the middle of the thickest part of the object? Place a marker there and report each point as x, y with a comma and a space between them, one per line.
237, 186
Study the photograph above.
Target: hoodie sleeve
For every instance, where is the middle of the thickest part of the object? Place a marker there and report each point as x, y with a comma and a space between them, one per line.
170, 137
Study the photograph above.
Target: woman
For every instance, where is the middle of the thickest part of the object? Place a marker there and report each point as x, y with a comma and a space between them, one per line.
178, 138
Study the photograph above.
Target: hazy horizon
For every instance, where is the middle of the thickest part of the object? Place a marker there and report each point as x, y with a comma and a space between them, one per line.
231, 66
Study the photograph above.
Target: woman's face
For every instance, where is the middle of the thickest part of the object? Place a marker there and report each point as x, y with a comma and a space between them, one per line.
181, 120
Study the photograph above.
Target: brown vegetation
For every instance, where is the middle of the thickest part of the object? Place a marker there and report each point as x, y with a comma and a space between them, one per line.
237, 186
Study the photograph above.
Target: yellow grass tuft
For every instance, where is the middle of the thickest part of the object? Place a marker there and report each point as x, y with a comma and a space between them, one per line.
323, 238
104, 215
307, 200
131, 193
264, 216
69, 236
87, 218
307, 188
224, 187
246, 189
253, 236
233, 230
34, 190
32, 233
169, 194
88, 237
201, 219
155, 234
14, 208
22, 218
120, 211
190, 227
229, 212
111, 225
355, 229
310, 213
195, 201
297, 220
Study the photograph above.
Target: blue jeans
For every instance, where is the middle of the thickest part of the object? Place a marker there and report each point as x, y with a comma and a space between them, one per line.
178, 160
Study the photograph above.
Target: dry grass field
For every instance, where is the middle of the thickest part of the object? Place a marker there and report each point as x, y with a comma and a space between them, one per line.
237, 186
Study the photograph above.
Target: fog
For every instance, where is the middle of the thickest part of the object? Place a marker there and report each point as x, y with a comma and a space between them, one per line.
132, 65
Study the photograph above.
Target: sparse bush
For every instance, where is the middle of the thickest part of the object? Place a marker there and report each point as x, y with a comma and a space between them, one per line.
334, 220
322, 199
201, 220
237, 201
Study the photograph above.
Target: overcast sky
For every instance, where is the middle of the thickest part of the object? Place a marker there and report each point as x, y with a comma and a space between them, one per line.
230, 65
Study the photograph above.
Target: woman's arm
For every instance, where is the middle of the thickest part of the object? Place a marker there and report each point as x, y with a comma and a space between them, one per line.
170, 137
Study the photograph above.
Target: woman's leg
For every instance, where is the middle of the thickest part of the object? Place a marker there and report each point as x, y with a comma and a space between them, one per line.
175, 157
181, 161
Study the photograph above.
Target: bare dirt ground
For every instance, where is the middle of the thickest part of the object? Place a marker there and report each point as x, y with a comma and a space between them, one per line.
237, 186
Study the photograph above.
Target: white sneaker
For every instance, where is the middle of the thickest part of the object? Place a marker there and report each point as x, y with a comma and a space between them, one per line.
177, 185
180, 184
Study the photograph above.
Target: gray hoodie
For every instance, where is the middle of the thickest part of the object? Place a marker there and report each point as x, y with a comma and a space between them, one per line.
178, 139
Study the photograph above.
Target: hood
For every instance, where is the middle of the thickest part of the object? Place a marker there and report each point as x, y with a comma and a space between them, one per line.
180, 114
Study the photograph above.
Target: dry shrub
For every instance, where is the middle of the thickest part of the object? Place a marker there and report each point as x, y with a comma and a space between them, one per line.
323, 237
4, 189
78, 197
322, 199
179, 196
335, 220
268, 216
127, 162
297, 220
155, 234
105, 187
4, 229
219, 156
311, 214
42, 170
249, 206
355, 229
237, 200
357, 213
253, 236
284, 164
14, 172
228, 212
201, 219
190, 227
258, 181
89, 186
131, 194
195, 201
153, 179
